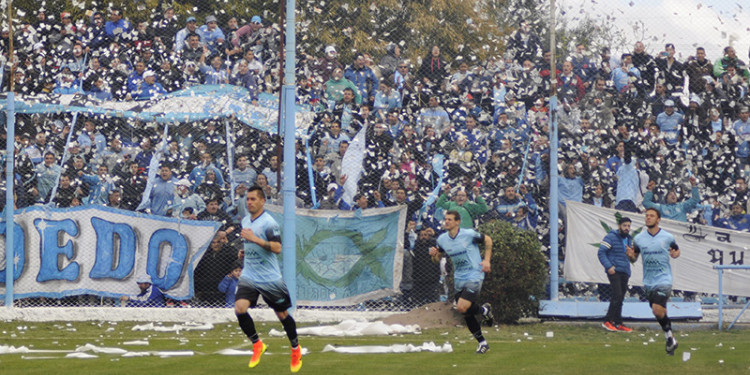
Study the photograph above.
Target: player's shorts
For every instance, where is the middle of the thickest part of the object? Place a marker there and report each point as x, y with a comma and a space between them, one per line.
275, 294
658, 295
468, 290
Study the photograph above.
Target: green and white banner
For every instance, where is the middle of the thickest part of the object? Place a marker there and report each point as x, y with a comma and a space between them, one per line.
701, 247
347, 257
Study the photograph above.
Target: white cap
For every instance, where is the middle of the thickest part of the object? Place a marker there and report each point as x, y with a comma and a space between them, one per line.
333, 186
695, 98
142, 279
330, 49
149, 73
669, 103
183, 182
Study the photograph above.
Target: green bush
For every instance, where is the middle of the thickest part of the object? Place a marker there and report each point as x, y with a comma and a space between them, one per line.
519, 272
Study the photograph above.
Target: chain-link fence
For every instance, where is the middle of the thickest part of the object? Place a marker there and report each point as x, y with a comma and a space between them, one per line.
447, 104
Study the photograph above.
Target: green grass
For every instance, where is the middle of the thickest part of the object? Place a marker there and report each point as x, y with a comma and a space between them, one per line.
522, 349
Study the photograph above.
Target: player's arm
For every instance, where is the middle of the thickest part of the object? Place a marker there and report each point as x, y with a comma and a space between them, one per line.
486, 263
273, 244
436, 253
674, 250
633, 252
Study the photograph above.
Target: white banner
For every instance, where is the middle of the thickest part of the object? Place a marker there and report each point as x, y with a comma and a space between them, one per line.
701, 247
99, 250
351, 165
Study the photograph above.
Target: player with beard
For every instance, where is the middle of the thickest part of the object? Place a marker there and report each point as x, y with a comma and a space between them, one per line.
613, 256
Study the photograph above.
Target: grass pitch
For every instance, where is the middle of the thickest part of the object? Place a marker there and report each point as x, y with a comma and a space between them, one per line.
521, 349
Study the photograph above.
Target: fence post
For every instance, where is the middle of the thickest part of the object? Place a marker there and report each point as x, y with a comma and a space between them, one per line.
288, 96
721, 299
10, 149
553, 214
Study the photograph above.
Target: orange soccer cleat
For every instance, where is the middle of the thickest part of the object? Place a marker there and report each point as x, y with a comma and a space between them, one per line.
296, 363
258, 349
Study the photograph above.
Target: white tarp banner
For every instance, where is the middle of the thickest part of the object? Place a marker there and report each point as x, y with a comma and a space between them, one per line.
701, 247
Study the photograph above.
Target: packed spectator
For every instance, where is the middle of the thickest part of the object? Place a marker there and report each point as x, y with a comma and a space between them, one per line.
632, 133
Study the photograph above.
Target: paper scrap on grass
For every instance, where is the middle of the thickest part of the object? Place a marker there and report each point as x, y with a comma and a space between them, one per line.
99, 349
175, 327
235, 352
81, 355
354, 328
188, 353
136, 342
395, 348
26, 357
5, 349
136, 354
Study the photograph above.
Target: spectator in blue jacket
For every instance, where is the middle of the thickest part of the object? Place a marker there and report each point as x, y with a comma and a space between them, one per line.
363, 77
509, 204
671, 209
670, 123
736, 221
100, 185
211, 35
570, 186
742, 133
626, 74
96, 34
228, 285
613, 255
386, 100
150, 295
162, 193
117, 27
135, 77
149, 88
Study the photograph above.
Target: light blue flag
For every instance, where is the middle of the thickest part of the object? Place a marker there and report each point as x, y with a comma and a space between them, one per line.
437, 166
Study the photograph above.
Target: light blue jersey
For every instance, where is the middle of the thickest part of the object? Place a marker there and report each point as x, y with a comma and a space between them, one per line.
655, 252
261, 265
464, 253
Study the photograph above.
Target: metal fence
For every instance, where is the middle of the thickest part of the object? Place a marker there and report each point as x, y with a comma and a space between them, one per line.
451, 98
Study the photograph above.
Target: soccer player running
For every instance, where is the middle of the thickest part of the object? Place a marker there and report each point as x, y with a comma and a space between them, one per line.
261, 276
469, 269
613, 256
657, 246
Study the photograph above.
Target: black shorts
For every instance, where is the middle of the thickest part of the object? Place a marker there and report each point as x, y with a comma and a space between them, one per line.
468, 290
658, 295
275, 294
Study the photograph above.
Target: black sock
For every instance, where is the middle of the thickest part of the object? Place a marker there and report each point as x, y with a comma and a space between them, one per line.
474, 327
666, 324
247, 325
291, 330
473, 310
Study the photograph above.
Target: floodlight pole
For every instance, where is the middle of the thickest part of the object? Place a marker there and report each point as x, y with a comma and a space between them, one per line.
10, 151
288, 96
553, 192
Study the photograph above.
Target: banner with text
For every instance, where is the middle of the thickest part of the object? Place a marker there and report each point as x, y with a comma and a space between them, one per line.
101, 251
347, 257
701, 247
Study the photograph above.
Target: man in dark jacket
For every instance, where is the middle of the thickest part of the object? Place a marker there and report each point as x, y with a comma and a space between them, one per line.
697, 69
613, 256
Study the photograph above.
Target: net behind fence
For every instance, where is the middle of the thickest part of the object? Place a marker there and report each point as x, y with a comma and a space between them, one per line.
132, 113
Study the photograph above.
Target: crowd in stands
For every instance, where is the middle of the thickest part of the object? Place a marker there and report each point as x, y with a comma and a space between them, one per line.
636, 130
